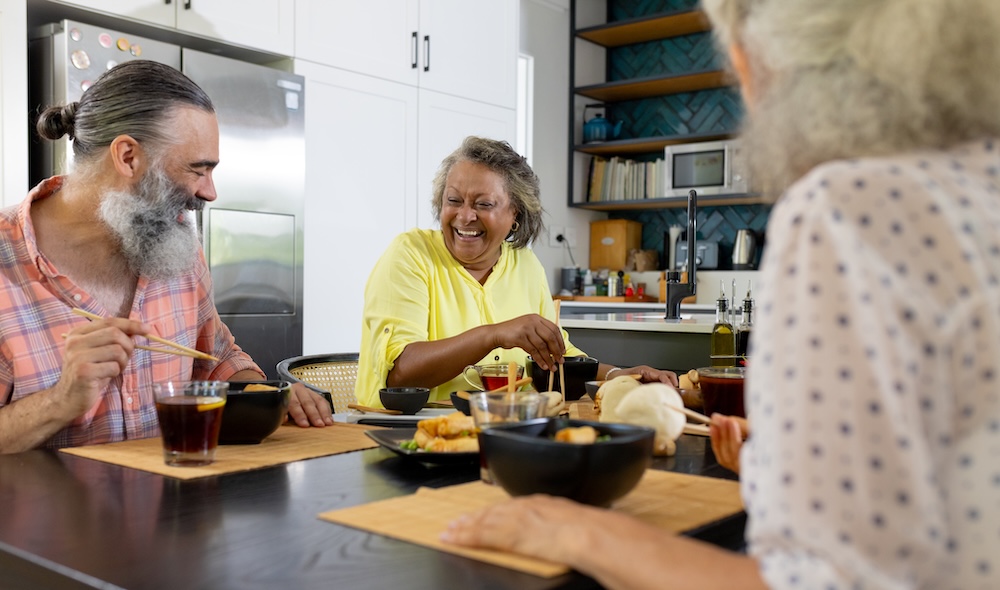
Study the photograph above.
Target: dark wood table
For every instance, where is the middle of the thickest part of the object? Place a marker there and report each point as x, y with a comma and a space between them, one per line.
70, 522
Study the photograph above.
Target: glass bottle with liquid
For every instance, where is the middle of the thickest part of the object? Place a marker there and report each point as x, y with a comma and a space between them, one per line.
745, 328
722, 345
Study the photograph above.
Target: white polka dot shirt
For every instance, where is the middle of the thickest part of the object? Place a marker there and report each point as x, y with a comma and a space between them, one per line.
873, 394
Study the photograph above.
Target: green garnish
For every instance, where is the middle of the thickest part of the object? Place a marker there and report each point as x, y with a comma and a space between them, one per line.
409, 445
603, 438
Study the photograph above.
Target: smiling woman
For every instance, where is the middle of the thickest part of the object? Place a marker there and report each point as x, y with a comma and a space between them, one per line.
469, 293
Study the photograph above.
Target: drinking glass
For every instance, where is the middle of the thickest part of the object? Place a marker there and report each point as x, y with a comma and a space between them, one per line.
490, 409
490, 376
190, 414
722, 390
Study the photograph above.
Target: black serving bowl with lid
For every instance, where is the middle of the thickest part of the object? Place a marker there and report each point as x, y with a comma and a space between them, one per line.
251, 416
524, 458
577, 369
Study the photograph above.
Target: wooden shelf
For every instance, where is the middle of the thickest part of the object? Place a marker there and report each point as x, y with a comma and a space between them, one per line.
673, 202
642, 145
655, 86
651, 28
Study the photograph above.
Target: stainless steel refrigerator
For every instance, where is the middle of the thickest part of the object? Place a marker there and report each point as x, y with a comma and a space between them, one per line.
253, 232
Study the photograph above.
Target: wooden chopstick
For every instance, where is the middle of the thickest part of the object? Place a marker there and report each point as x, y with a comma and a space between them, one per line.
696, 416
158, 349
191, 352
562, 378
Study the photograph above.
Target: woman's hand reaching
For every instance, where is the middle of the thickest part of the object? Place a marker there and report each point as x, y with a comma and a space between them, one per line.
537, 336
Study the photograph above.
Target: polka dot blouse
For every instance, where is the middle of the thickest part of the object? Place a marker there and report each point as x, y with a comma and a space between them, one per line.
874, 393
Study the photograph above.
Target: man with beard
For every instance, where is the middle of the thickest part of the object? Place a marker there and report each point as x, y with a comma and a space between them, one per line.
116, 238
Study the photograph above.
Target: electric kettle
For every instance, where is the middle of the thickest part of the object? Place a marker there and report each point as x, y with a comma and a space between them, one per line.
745, 250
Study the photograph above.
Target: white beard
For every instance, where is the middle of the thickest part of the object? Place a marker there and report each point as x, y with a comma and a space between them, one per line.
152, 225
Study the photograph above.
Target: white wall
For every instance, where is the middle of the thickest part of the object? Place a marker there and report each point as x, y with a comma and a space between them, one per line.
545, 36
13, 101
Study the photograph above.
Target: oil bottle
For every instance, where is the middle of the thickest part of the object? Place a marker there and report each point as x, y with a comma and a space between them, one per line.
745, 328
722, 345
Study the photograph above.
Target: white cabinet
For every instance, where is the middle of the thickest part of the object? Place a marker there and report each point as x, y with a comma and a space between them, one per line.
267, 25
361, 169
13, 102
444, 122
465, 48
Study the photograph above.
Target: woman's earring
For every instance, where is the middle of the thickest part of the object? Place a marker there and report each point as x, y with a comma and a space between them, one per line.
515, 227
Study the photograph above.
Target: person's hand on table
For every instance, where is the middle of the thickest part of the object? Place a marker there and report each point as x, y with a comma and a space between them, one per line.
307, 408
96, 352
646, 374
537, 336
727, 434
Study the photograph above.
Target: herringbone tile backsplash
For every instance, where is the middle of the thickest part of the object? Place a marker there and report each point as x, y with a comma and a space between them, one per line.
717, 110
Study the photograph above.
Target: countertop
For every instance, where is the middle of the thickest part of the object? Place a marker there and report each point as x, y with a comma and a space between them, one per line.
636, 317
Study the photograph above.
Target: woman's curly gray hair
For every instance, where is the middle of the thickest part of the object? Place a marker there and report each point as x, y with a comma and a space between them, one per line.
853, 78
519, 179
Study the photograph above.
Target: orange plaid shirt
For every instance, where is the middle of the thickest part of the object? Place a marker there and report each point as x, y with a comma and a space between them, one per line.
35, 311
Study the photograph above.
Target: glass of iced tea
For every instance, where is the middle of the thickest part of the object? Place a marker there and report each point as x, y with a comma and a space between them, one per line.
722, 390
490, 376
190, 414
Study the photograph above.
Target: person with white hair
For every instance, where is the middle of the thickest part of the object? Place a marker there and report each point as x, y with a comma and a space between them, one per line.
874, 452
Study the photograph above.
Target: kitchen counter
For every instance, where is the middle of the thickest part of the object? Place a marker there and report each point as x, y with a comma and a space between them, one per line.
640, 321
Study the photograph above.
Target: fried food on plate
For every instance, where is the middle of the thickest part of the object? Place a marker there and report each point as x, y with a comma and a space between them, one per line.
452, 433
580, 435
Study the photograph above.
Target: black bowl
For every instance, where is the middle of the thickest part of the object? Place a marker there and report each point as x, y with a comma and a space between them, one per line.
251, 416
578, 370
523, 459
462, 405
408, 400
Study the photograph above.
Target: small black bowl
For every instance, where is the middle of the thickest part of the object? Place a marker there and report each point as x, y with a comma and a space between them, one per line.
524, 459
578, 370
408, 400
251, 416
461, 404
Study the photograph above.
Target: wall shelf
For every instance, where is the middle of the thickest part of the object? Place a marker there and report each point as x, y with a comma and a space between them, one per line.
656, 86
642, 145
650, 28
673, 202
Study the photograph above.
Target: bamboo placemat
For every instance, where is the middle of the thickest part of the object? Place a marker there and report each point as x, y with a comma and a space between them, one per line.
672, 501
289, 443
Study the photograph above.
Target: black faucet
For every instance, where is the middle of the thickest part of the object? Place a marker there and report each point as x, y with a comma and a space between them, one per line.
676, 290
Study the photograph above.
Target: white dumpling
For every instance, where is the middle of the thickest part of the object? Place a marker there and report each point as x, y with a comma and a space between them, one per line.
646, 405
611, 394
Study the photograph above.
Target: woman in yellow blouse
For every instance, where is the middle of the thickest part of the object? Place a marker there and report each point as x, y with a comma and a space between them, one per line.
471, 292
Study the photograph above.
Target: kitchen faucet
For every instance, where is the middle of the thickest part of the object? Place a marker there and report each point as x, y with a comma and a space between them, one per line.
676, 290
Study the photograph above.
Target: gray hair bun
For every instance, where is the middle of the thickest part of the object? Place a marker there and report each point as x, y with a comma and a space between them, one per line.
54, 122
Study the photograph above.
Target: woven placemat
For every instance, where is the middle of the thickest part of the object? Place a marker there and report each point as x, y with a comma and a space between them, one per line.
289, 443
672, 501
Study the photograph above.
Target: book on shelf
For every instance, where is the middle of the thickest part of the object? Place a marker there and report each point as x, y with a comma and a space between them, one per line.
622, 179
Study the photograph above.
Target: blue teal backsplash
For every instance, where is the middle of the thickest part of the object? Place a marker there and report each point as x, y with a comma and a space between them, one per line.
716, 110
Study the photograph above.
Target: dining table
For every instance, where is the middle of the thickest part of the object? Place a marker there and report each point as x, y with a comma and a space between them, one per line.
73, 522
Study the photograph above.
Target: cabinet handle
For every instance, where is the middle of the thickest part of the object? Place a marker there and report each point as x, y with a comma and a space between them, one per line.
187, 5
413, 51
167, 1
427, 53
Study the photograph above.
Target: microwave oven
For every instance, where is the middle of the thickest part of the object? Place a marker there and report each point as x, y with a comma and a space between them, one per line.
709, 167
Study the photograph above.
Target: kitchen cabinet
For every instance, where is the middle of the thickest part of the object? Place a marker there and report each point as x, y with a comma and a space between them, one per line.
664, 103
361, 191
372, 149
267, 25
457, 47
13, 102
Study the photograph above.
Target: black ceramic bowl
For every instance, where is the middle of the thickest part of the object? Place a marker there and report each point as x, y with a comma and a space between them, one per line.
524, 459
578, 370
462, 405
408, 400
251, 416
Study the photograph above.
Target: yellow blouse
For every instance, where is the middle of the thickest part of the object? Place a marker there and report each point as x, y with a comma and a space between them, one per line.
418, 292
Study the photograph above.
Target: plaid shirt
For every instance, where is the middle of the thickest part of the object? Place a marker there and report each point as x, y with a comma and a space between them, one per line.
35, 311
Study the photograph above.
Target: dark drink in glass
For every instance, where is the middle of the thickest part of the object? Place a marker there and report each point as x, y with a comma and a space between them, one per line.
190, 416
722, 390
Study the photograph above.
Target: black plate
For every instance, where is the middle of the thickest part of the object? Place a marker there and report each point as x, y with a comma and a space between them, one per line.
390, 439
